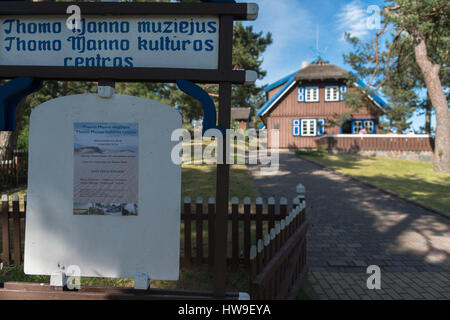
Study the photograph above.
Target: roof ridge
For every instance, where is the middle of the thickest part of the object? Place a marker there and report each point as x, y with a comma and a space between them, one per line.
280, 81
280, 92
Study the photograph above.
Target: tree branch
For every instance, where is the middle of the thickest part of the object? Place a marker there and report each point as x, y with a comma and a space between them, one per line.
391, 47
377, 60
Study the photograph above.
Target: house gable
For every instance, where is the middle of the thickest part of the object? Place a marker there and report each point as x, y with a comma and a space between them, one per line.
304, 107
318, 73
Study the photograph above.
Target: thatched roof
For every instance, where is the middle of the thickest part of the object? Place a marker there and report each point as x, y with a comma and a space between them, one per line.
240, 114
321, 70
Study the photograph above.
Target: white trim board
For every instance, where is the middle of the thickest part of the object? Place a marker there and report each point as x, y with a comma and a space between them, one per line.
403, 136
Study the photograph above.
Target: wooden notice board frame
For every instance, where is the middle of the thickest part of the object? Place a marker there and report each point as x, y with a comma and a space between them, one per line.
235, 11
224, 75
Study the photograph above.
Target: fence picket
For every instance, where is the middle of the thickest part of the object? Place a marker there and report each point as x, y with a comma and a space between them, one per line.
283, 208
199, 230
259, 218
6, 258
16, 231
253, 268
211, 214
235, 232
187, 232
267, 257
24, 215
16, 169
277, 275
247, 228
252, 259
271, 212
266, 251
259, 256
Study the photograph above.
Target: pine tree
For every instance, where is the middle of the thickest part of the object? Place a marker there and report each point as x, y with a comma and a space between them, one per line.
414, 56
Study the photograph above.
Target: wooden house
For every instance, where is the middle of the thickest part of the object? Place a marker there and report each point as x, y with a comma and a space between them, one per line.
305, 105
241, 116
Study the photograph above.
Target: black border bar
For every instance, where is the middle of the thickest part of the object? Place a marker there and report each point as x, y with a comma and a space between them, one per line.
122, 74
237, 10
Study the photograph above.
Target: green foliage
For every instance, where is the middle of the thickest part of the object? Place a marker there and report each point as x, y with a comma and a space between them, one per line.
15, 273
391, 69
50, 90
248, 48
319, 152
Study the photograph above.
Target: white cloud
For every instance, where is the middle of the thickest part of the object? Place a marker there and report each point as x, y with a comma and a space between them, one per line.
353, 19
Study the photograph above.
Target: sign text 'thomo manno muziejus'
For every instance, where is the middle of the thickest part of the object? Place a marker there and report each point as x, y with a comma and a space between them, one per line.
165, 42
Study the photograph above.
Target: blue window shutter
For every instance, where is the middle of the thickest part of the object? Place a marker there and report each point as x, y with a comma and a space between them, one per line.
296, 128
301, 94
320, 127
342, 90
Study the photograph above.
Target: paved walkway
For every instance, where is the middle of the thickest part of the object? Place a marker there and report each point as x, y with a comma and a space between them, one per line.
354, 226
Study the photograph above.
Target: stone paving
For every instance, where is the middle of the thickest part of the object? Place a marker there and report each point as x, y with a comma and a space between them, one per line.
354, 226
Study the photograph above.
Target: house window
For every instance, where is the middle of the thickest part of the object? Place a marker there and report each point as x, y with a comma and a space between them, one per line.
357, 126
332, 93
276, 126
312, 94
369, 125
309, 127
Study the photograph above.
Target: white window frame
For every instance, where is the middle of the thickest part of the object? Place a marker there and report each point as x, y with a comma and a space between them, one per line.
332, 93
312, 94
370, 126
360, 125
308, 127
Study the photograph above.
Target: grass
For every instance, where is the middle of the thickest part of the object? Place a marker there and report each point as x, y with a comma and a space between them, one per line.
304, 293
411, 179
200, 181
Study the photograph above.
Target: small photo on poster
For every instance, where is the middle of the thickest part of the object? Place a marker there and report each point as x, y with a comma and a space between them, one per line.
106, 169
105, 209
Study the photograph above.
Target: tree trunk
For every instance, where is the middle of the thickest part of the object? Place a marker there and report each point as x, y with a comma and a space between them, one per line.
5, 142
8, 139
439, 102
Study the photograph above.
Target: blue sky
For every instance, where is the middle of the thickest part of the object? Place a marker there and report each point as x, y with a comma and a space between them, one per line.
294, 24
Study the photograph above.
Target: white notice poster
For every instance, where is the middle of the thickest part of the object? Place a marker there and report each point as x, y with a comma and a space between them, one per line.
105, 168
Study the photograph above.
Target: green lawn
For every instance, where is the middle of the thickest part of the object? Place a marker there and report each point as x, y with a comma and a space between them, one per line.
200, 181
411, 179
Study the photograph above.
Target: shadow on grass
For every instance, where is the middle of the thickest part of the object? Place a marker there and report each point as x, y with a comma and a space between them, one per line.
424, 186
200, 181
